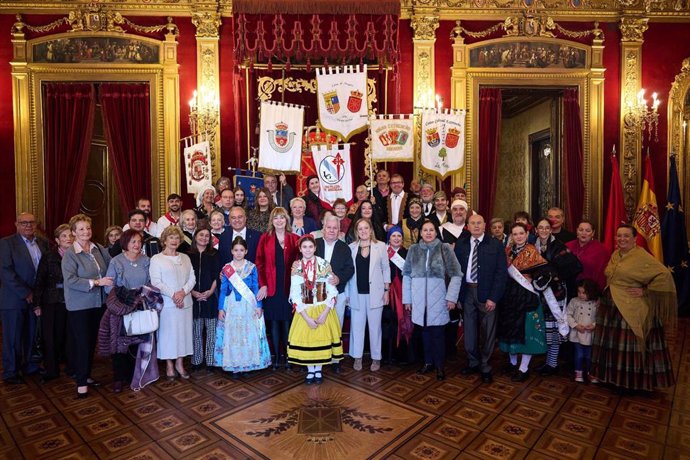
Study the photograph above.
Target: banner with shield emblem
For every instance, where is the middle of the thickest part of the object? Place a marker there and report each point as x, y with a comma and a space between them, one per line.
197, 158
342, 97
392, 138
443, 141
334, 169
280, 137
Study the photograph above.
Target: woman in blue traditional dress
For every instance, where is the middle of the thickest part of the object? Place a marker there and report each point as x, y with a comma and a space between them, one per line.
241, 344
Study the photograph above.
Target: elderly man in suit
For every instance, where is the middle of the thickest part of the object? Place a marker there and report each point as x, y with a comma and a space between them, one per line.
483, 262
238, 227
19, 258
337, 253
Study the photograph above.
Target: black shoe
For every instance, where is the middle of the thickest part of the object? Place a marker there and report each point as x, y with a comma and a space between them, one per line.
487, 378
235, 375
93, 383
468, 370
519, 376
425, 368
547, 370
509, 369
196, 367
275, 365
288, 366
82, 395
318, 378
14, 380
440, 375
309, 379
336, 368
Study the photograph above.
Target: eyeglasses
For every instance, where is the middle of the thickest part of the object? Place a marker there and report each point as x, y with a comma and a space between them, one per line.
26, 223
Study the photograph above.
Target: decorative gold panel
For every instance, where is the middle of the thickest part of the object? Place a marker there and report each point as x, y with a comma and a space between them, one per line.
679, 131
27, 77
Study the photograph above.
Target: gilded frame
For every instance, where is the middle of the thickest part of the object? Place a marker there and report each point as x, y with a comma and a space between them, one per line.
27, 78
679, 137
465, 84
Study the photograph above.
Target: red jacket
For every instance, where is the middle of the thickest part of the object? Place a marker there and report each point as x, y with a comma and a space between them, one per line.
266, 260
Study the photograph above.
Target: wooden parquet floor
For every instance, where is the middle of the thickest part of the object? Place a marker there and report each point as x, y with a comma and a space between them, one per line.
392, 414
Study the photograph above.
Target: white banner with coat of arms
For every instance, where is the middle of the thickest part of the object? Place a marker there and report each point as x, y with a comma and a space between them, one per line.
334, 169
443, 141
342, 96
197, 160
392, 139
280, 137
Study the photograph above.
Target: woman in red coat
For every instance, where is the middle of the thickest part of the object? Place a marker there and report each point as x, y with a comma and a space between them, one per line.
276, 252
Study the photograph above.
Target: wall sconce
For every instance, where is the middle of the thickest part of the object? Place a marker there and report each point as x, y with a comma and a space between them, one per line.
644, 117
204, 109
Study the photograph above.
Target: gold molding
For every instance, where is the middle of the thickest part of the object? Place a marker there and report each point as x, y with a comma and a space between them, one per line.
207, 25
632, 31
679, 137
424, 24
465, 83
27, 78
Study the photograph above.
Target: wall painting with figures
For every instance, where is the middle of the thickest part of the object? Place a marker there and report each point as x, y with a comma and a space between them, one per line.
528, 54
90, 50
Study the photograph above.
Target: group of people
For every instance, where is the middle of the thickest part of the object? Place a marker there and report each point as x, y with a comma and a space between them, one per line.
244, 288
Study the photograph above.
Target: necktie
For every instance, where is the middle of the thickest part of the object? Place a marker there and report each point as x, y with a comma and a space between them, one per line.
35, 253
475, 261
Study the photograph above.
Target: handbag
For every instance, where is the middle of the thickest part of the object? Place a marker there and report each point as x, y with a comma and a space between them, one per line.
140, 322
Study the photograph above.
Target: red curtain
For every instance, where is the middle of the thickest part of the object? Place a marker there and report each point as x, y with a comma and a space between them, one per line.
572, 153
490, 101
68, 113
127, 126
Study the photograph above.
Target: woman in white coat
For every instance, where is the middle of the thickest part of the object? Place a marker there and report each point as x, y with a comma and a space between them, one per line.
368, 292
172, 273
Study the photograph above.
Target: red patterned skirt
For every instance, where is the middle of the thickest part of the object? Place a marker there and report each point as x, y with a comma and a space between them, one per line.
617, 357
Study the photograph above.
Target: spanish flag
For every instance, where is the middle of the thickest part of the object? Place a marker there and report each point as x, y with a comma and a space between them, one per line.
646, 219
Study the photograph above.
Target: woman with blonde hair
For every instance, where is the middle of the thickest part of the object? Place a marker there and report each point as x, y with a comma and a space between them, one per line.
368, 292
112, 234
301, 224
84, 266
172, 273
276, 251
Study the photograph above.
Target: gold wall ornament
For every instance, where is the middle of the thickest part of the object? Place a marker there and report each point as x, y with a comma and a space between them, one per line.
632, 36
589, 79
29, 71
530, 24
424, 27
206, 118
678, 113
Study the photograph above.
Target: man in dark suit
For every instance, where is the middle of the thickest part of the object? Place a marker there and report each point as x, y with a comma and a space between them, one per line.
281, 197
19, 258
338, 254
483, 263
238, 227
137, 221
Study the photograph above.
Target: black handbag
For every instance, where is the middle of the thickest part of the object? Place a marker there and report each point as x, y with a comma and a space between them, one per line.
36, 356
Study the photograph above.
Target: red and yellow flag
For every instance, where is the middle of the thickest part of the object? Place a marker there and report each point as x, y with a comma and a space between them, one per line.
646, 219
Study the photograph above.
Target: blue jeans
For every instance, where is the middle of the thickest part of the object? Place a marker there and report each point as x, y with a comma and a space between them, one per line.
583, 357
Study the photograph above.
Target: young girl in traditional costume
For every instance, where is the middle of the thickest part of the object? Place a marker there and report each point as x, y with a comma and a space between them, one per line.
241, 344
315, 337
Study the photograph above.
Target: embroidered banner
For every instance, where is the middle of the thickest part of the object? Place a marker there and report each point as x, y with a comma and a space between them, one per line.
335, 172
443, 141
198, 166
392, 139
280, 137
342, 97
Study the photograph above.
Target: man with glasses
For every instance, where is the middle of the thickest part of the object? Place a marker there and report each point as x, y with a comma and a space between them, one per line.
19, 258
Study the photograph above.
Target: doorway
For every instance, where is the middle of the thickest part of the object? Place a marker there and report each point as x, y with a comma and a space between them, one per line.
99, 198
529, 155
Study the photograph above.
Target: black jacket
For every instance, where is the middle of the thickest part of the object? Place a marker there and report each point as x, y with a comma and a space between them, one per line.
151, 246
206, 267
48, 287
492, 268
341, 261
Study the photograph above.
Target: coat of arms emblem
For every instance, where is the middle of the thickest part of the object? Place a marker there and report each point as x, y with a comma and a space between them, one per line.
354, 103
281, 139
452, 138
433, 139
332, 102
